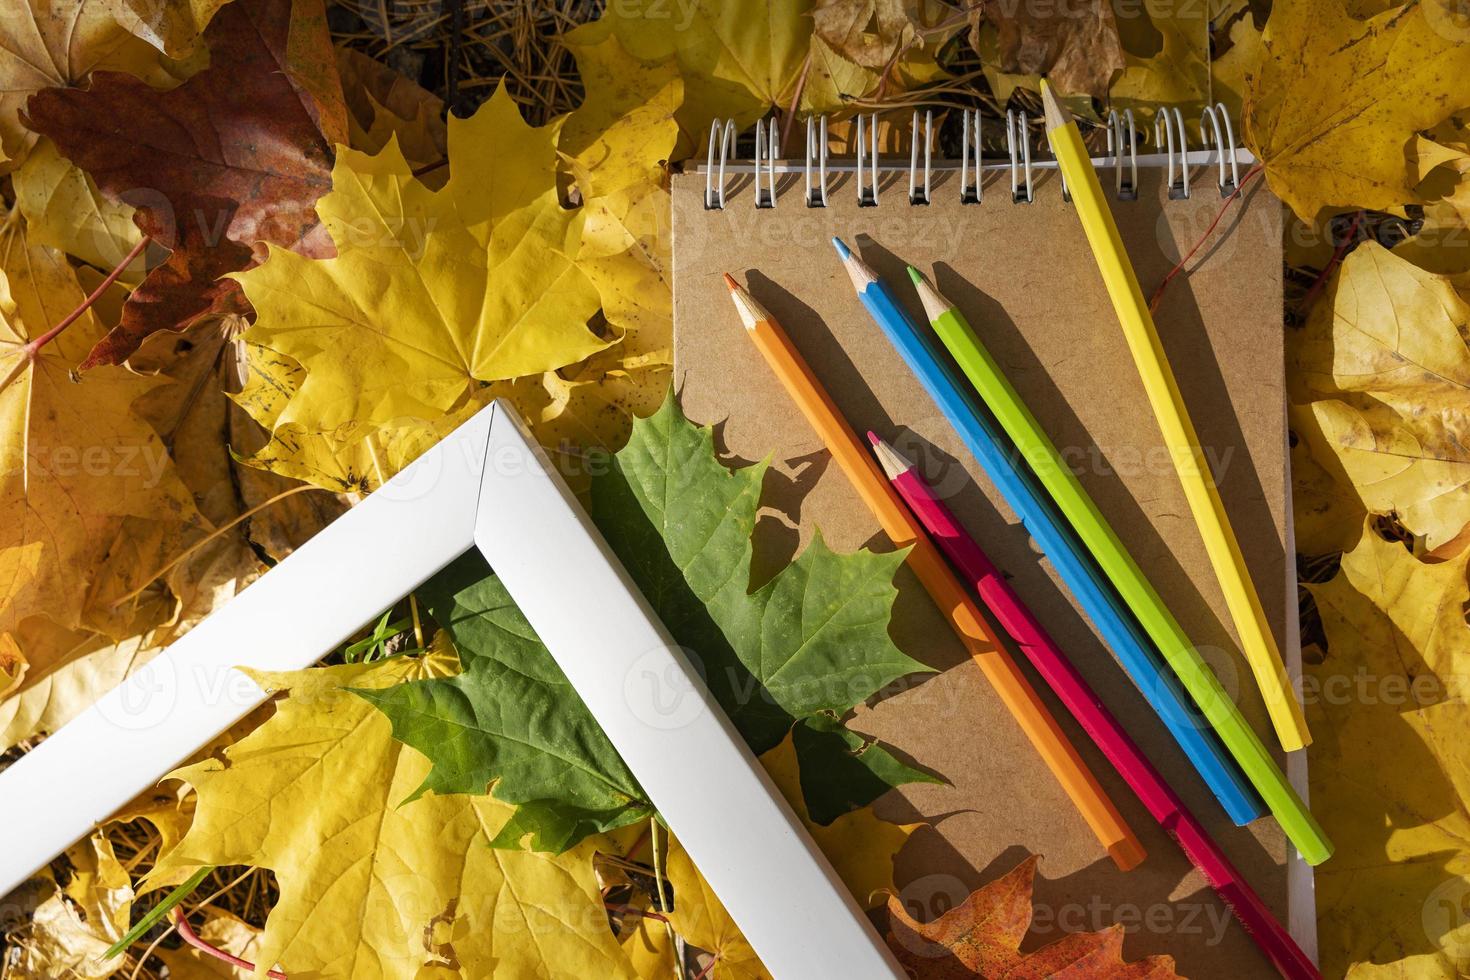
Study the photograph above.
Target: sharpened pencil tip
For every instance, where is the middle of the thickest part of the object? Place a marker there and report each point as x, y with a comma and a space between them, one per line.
730, 281
842, 248
892, 463
915, 276
1056, 116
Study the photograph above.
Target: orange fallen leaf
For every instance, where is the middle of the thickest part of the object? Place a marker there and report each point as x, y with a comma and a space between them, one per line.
981, 937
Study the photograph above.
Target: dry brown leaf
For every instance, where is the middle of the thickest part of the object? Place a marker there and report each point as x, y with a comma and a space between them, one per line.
1074, 44
982, 936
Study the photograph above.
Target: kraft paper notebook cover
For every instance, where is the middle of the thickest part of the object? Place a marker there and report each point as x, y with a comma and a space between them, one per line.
1062, 348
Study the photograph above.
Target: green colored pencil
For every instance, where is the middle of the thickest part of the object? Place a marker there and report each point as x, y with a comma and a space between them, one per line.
1062, 484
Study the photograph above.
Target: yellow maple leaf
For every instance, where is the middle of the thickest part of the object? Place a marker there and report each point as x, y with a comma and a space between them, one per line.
1232, 70
700, 918
468, 284
1443, 242
67, 671
1385, 363
372, 886
350, 459
174, 27
64, 209
1337, 99
1327, 514
76, 462
738, 60
617, 145
1166, 55
1387, 702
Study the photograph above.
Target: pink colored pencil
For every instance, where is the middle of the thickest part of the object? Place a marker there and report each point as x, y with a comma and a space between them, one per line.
1140, 775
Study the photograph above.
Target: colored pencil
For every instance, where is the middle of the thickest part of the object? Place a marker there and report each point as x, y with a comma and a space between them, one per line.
984, 439
1138, 657
1256, 638
1161, 802
938, 580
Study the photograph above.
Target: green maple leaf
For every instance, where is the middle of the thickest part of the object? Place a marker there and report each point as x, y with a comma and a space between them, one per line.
511, 719
802, 650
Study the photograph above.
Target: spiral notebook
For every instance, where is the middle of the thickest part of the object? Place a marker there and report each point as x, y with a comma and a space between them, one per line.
1023, 275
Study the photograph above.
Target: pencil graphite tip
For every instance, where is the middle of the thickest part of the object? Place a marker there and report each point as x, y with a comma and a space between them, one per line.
893, 464
841, 247
1056, 116
730, 281
915, 276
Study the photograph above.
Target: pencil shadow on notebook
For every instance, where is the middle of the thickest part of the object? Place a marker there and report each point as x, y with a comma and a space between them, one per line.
1206, 392
1034, 382
820, 347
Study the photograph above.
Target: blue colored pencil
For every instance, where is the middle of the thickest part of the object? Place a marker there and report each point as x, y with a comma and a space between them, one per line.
1121, 632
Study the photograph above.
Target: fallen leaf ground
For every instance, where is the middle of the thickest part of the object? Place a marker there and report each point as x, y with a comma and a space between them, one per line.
256, 255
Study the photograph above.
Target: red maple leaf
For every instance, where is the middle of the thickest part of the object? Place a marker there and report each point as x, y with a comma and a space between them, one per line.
235, 156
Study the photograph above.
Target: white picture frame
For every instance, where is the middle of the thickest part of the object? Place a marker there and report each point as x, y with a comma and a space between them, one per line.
487, 485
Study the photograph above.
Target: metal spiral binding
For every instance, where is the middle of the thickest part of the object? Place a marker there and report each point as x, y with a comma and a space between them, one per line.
970, 193
1169, 139
714, 200
1125, 190
1020, 148
867, 196
766, 141
817, 199
914, 196
1166, 127
1214, 115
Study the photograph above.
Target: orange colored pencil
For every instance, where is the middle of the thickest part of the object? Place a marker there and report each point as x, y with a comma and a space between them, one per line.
939, 581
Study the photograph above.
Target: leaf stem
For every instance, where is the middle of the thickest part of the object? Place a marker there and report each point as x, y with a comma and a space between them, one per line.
187, 933
806, 68
210, 537
1327, 270
160, 910
92, 297
627, 909
658, 892
33, 347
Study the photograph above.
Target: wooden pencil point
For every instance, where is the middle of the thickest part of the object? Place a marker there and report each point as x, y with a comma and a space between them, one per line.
1056, 116
893, 464
750, 311
858, 271
935, 305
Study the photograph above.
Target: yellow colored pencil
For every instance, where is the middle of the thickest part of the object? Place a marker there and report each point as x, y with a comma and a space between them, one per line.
1256, 638
972, 628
